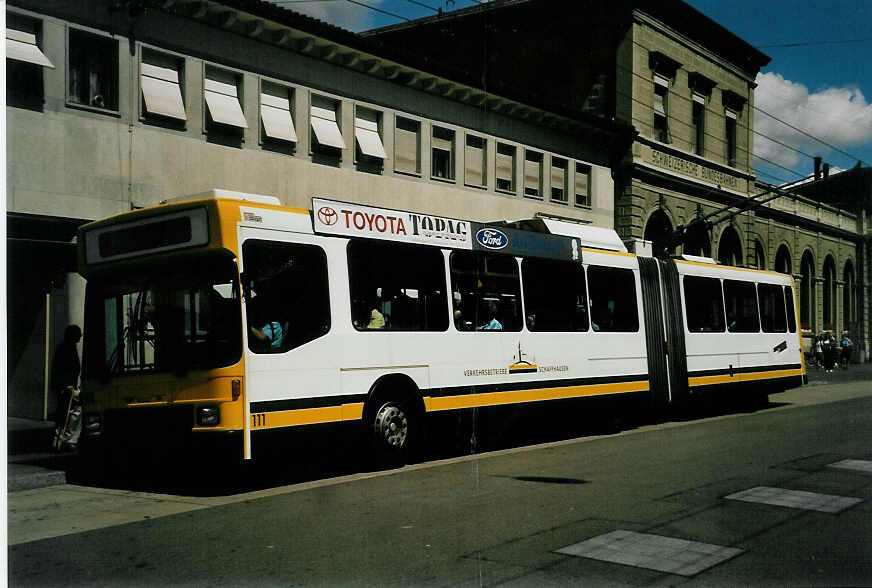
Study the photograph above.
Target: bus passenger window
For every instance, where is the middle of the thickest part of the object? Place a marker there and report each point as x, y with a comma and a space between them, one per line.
772, 314
289, 303
613, 306
740, 298
703, 305
486, 292
791, 313
555, 295
396, 287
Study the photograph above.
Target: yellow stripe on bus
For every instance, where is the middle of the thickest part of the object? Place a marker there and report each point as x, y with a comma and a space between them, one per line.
517, 396
306, 416
726, 378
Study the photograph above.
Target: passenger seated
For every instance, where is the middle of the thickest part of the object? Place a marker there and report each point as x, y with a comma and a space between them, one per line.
493, 324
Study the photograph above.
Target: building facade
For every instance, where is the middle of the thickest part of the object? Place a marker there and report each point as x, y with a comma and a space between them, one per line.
117, 105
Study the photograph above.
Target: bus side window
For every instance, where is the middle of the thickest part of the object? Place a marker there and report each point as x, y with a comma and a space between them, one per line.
486, 290
613, 306
703, 304
772, 312
740, 298
289, 304
396, 287
791, 313
555, 295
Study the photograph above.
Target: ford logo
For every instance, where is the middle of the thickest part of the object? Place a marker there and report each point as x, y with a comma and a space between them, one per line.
491, 238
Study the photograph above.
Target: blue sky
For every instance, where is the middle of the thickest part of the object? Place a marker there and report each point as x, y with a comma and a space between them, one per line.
819, 85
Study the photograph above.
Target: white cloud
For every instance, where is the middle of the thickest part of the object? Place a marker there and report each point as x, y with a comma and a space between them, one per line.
840, 116
352, 17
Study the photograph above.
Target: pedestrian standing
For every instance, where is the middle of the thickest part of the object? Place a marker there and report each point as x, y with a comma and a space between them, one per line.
65, 370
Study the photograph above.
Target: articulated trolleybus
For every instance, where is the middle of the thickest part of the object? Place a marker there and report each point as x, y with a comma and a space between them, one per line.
217, 318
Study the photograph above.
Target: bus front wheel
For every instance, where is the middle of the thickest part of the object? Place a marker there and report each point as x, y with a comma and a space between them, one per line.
394, 426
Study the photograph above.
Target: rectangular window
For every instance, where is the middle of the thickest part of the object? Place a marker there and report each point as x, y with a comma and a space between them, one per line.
505, 167
740, 299
791, 309
773, 318
225, 121
533, 174
397, 287
407, 146
442, 160
582, 185
276, 113
555, 295
698, 130
93, 74
703, 305
661, 109
24, 63
368, 134
486, 291
476, 161
161, 80
730, 126
558, 180
326, 134
613, 306
287, 299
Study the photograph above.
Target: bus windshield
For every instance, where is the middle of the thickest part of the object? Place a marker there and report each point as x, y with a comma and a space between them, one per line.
168, 318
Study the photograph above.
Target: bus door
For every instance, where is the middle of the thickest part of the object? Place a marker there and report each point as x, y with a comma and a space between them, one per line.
287, 304
676, 348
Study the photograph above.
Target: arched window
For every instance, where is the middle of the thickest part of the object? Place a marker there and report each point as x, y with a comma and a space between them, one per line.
806, 291
760, 256
730, 248
849, 296
829, 293
782, 260
697, 241
657, 230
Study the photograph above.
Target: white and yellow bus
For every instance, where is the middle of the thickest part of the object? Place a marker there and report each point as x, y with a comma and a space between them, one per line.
219, 317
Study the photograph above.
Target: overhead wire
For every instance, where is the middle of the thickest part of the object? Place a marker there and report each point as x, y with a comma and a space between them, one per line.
672, 95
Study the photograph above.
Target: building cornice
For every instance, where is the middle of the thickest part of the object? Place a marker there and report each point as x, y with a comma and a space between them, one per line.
664, 29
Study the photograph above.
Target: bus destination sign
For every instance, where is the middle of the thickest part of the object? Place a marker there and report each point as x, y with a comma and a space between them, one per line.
332, 217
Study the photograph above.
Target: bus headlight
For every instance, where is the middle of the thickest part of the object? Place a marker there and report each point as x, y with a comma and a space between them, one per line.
208, 416
92, 423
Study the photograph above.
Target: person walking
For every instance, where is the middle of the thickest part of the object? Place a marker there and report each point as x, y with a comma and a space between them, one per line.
64, 381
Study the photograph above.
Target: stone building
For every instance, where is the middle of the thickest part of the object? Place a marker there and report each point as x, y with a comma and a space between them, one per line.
686, 84
113, 105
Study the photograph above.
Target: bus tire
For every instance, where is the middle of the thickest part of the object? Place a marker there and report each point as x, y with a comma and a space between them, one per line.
394, 426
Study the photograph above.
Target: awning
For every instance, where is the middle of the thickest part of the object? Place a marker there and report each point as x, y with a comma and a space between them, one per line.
22, 47
223, 104
160, 88
326, 130
368, 139
276, 115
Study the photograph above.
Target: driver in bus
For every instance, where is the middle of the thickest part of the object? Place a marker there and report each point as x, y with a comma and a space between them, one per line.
266, 334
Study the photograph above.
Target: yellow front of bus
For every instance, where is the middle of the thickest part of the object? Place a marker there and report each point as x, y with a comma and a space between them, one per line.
162, 352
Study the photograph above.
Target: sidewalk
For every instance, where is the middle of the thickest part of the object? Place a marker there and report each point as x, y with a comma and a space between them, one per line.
30, 462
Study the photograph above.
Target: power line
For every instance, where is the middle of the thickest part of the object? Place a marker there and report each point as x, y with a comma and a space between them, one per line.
833, 147
814, 43
363, 4
415, 2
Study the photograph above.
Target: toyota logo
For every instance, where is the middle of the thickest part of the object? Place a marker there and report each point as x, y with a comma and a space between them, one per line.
327, 215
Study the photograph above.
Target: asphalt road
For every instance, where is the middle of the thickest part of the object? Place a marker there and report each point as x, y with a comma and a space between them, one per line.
495, 518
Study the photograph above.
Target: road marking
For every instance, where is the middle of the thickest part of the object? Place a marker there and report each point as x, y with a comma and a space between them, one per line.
795, 499
654, 552
855, 465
